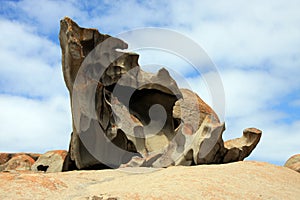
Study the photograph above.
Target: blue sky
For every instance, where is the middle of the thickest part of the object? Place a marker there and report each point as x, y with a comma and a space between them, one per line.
255, 46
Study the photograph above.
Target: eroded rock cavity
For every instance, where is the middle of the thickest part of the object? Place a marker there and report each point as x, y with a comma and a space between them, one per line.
124, 116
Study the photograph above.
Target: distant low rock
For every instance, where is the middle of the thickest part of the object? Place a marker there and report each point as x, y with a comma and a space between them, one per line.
19, 162
51, 161
5, 157
293, 163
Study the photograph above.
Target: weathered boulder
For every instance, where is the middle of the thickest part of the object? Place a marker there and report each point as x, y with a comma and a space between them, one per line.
293, 163
51, 161
124, 116
5, 157
18, 162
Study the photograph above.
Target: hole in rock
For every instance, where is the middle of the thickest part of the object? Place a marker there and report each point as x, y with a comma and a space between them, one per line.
141, 102
88, 46
176, 122
42, 168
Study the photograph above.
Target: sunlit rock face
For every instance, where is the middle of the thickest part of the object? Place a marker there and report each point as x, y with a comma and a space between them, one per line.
124, 116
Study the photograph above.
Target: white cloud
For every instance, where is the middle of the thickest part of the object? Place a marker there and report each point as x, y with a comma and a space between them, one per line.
117, 16
279, 140
47, 13
30, 64
110, 16
242, 33
22, 39
249, 92
34, 126
35, 114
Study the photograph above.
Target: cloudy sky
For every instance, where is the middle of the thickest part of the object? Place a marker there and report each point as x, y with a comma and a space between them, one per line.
254, 44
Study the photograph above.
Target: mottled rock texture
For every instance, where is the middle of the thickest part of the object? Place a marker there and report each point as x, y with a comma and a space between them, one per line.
18, 162
293, 163
239, 180
51, 161
124, 116
4, 157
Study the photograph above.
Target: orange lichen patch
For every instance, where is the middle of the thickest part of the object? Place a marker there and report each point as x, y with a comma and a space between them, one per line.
26, 158
228, 144
62, 153
35, 156
188, 129
4, 157
204, 108
4, 176
41, 181
200, 105
19, 162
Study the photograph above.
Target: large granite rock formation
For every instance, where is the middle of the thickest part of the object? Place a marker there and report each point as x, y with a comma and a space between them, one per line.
124, 116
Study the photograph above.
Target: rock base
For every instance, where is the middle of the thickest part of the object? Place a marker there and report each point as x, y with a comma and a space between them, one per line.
239, 180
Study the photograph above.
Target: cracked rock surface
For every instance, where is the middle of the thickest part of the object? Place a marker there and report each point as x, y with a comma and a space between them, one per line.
124, 116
